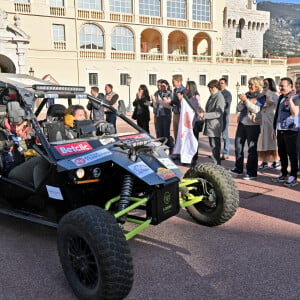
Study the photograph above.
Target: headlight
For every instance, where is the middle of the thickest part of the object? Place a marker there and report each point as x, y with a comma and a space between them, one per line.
96, 172
80, 173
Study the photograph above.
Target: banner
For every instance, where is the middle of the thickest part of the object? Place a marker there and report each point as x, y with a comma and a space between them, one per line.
186, 143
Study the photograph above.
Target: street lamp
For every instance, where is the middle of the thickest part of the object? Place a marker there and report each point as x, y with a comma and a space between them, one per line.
31, 72
237, 86
128, 82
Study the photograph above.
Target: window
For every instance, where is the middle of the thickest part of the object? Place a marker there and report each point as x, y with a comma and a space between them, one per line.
243, 80
226, 77
22, 1
57, 3
152, 79
202, 80
176, 9
122, 39
89, 4
93, 79
238, 34
123, 78
201, 10
122, 6
91, 37
277, 80
149, 8
58, 32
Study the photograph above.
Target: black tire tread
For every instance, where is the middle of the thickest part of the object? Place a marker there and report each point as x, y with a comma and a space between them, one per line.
101, 228
227, 187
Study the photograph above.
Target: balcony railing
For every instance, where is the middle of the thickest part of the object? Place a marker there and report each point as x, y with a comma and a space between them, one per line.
122, 55
177, 23
57, 11
250, 61
90, 14
121, 17
151, 56
22, 7
90, 54
150, 20
201, 58
59, 45
202, 25
177, 57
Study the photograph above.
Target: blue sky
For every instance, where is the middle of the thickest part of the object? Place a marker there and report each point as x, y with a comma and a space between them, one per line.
285, 1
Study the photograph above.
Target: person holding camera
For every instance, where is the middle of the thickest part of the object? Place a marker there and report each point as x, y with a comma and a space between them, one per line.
286, 129
161, 102
141, 104
248, 129
267, 145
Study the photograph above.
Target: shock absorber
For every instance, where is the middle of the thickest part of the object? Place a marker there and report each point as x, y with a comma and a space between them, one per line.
125, 195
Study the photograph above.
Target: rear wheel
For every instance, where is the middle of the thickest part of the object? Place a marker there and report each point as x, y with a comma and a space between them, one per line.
94, 254
220, 194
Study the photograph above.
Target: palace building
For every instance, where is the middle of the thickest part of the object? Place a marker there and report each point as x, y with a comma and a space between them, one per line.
129, 42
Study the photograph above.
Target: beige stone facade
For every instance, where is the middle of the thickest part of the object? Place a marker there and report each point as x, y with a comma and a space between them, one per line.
293, 68
49, 40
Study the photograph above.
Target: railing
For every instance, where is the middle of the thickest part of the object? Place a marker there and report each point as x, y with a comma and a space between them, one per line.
89, 54
201, 58
122, 55
202, 25
177, 23
57, 11
250, 61
22, 7
59, 45
121, 17
150, 20
90, 14
177, 57
151, 56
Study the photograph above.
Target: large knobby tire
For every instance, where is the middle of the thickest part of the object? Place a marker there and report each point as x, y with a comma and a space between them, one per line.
94, 254
221, 198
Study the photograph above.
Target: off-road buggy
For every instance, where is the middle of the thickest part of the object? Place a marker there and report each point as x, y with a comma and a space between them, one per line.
101, 189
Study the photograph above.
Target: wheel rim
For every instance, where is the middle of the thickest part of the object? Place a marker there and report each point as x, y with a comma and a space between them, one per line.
210, 199
83, 261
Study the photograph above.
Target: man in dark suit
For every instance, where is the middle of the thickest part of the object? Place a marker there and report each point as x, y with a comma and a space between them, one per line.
213, 118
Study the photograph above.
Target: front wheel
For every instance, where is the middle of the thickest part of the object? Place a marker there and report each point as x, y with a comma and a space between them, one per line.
220, 194
94, 254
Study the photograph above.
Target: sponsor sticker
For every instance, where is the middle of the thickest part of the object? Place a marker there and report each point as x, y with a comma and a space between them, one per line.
54, 192
135, 136
88, 158
75, 148
106, 141
165, 174
140, 169
167, 163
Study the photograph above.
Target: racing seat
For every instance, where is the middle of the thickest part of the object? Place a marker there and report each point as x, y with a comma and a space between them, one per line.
54, 127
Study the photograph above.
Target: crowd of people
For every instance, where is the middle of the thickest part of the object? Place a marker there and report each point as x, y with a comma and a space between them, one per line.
268, 120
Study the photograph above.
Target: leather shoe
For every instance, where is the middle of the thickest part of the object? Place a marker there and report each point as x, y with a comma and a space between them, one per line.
224, 157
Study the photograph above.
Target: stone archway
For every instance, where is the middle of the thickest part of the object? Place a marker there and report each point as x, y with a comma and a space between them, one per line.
13, 44
6, 65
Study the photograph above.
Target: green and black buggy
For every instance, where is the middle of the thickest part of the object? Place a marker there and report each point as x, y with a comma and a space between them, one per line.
98, 185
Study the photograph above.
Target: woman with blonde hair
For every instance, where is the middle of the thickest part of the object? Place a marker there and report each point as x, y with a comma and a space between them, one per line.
248, 129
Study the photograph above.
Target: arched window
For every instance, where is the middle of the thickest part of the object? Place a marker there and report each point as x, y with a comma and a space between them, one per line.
91, 37
89, 4
122, 39
201, 10
176, 9
149, 8
121, 6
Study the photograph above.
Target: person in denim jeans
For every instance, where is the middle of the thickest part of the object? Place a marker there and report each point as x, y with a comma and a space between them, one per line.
228, 99
248, 130
285, 126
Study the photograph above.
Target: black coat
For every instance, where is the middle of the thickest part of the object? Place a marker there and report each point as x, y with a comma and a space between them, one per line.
141, 109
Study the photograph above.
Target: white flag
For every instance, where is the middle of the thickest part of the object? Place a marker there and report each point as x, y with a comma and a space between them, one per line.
186, 143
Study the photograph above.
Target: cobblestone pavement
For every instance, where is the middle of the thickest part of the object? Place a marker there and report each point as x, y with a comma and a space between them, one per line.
253, 256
